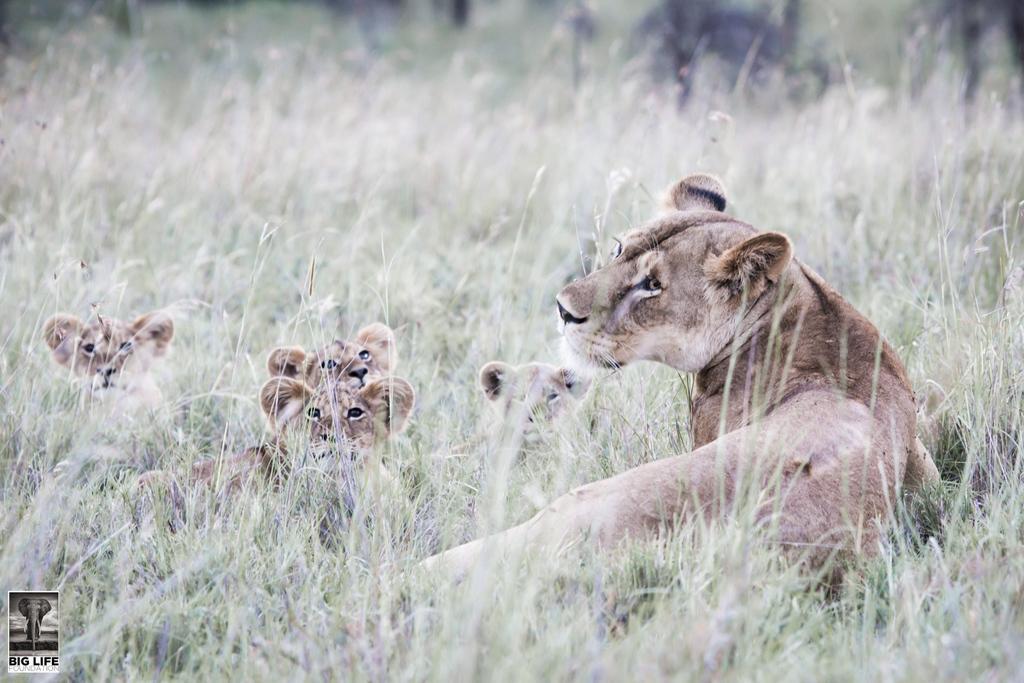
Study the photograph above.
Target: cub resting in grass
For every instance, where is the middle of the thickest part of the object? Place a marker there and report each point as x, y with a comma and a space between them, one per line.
797, 397
342, 422
111, 358
371, 354
529, 394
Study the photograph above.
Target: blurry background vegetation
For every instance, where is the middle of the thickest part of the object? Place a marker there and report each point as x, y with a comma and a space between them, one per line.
810, 44
283, 173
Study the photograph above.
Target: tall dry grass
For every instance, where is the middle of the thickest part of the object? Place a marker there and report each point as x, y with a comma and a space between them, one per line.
216, 161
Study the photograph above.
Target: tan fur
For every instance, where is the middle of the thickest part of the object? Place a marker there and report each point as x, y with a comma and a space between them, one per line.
529, 394
796, 395
340, 420
697, 191
385, 404
750, 266
111, 358
372, 353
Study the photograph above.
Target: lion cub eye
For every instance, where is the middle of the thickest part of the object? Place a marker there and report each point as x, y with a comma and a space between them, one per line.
89, 348
553, 396
314, 413
329, 364
126, 347
364, 355
354, 413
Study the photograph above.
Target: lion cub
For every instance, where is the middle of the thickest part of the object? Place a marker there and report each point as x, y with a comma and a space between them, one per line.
346, 375
371, 354
533, 393
112, 358
340, 419
341, 422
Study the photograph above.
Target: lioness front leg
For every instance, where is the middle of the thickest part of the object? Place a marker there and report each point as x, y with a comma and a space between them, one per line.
629, 504
826, 486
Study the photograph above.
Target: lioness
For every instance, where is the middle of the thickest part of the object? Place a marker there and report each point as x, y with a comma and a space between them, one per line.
110, 357
531, 393
796, 395
371, 354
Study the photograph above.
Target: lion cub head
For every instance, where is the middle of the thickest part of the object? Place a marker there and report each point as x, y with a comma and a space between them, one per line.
354, 363
535, 392
111, 357
338, 416
674, 287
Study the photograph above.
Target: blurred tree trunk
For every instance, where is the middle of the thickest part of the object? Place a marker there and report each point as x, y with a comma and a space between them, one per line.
682, 39
582, 27
1017, 34
5, 37
126, 16
970, 16
460, 12
791, 15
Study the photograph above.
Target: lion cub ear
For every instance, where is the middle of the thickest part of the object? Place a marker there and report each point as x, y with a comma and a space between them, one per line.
697, 191
750, 266
391, 400
155, 329
496, 379
60, 333
282, 399
286, 361
380, 340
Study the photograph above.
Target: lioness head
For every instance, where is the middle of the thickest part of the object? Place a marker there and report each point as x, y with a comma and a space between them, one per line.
672, 289
371, 354
360, 418
537, 391
106, 353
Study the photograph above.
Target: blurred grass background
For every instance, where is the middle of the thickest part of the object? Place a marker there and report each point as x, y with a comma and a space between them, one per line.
448, 180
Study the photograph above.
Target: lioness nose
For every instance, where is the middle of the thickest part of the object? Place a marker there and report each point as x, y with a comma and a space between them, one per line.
107, 372
567, 317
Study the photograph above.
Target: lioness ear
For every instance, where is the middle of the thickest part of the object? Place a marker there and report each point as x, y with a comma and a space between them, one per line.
391, 400
576, 385
697, 191
286, 361
380, 340
155, 328
282, 399
496, 378
60, 333
750, 266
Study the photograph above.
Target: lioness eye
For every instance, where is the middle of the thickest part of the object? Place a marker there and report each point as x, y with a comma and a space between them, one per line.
552, 396
126, 347
89, 348
364, 354
314, 413
651, 284
354, 413
617, 249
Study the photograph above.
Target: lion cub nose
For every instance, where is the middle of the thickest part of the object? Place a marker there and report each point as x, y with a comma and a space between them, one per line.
567, 317
359, 374
107, 372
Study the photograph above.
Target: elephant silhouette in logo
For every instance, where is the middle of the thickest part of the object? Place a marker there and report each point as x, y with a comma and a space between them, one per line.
33, 609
